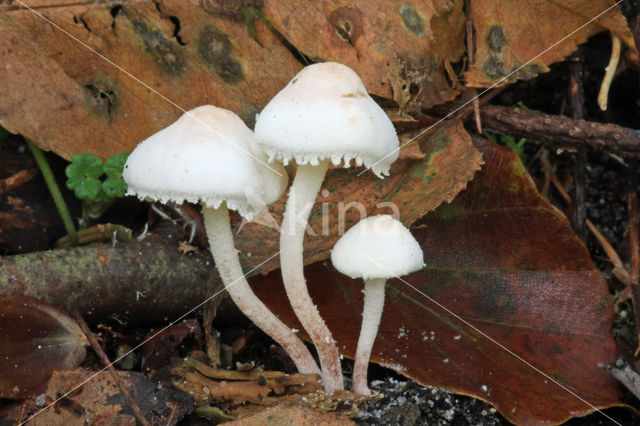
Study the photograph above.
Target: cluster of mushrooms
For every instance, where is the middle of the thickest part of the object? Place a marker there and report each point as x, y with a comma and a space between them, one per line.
323, 115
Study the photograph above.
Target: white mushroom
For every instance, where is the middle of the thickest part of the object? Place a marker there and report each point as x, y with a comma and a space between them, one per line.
375, 249
324, 114
209, 157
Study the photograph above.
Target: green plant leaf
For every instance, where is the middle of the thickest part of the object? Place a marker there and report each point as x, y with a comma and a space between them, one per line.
114, 187
83, 166
85, 188
114, 165
83, 174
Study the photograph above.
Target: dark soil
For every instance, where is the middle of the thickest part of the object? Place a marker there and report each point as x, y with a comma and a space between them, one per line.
407, 403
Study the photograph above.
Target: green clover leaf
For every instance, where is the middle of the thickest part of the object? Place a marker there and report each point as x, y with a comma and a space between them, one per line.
85, 188
114, 165
83, 175
114, 187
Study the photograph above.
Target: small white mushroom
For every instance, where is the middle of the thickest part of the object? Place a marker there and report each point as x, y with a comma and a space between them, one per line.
209, 157
324, 114
375, 249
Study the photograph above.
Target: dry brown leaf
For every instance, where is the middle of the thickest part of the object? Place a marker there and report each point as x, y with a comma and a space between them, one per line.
508, 34
176, 55
36, 338
86, 397
502, 265
291, 416
399, 49
69, 100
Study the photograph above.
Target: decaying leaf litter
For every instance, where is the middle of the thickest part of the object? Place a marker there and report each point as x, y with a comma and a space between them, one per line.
412, 98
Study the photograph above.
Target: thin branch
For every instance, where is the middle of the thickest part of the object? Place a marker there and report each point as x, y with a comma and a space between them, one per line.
14, 181
114, 374
561, 131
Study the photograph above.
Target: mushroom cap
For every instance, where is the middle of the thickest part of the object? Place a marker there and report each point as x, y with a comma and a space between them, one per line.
377, 247
208, 156
325, 112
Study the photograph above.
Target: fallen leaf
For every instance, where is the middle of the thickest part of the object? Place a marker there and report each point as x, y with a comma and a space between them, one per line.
87, 397
166, 57
399, 49
509, 34
283, 415
507, 262
36, 338
151, 61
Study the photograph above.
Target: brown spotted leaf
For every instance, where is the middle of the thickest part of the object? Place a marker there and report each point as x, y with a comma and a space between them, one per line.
35, 339
102, 76
401, 49
509, 34
507, 262
69, 99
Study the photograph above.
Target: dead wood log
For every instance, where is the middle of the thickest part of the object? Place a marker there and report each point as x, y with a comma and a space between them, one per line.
134, 282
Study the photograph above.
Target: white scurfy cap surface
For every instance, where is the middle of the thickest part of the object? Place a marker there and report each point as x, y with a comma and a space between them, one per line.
325, 112
377, 247
208, 156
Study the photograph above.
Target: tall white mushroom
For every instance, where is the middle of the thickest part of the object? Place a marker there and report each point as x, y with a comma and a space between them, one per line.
324, 114
375, 249
210, 157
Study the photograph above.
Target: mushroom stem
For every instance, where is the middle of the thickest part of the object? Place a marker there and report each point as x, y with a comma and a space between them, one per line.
302, 195
225, 256
371, 314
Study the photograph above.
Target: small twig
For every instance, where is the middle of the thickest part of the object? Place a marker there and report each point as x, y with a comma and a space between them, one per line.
634, 221
561, 131
580, 194
576, 92
576, 98
100, 232
619, 270
50, 180
14, 181
23, 412
114, 374
618, 267
610, 71
173, 413
471, 55
548, 169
